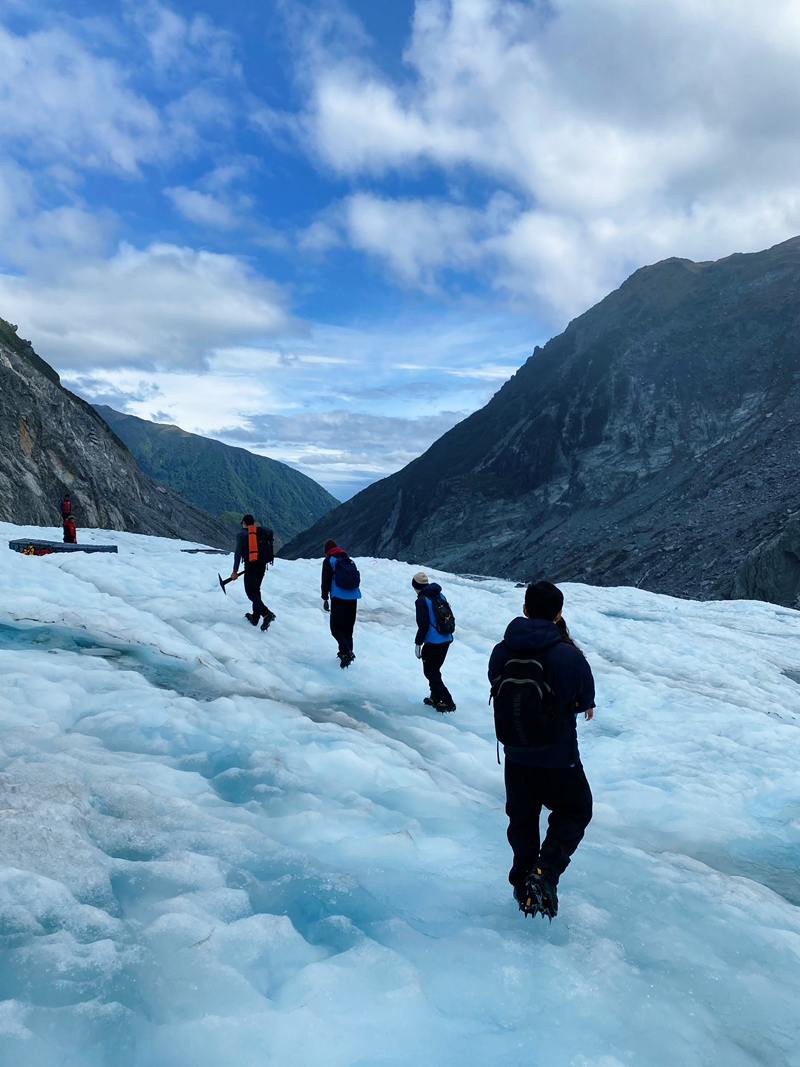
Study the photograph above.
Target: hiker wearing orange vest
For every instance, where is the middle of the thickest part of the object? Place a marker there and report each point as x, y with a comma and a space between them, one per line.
254, 546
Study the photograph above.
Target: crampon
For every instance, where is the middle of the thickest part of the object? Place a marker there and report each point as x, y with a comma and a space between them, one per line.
538, 896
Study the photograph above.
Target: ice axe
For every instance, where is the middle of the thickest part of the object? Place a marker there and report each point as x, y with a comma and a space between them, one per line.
224, 581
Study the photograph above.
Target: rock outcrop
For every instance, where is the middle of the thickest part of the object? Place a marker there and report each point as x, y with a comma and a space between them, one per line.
655, 442
52, 442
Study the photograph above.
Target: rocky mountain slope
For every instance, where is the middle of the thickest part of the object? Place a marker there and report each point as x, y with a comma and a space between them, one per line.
52, 442
655, 442
222, 479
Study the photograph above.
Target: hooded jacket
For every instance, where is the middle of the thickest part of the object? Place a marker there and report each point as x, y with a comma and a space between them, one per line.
570, 676
426, 620
329, 586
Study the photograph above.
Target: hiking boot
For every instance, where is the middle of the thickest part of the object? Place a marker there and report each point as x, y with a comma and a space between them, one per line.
252, 619
539, 896
429, 702
522, 896
268, 618
518, 875
346, 658
444, 705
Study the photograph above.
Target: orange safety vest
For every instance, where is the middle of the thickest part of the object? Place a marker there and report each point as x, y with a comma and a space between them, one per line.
252, 543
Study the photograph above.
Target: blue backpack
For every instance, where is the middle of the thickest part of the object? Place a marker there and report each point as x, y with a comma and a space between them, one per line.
345, 572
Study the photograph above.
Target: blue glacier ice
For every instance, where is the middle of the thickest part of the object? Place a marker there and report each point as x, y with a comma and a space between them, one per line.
220, 850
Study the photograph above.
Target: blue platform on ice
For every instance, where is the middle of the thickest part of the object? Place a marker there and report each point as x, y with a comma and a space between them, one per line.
23, 543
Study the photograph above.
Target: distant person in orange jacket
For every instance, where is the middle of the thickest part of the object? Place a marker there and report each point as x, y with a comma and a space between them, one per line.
255, 548
65, 507
70, 537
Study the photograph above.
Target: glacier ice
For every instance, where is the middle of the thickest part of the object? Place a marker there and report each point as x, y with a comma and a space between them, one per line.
220, 849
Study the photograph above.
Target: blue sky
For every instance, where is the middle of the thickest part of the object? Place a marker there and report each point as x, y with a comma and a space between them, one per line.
328, 231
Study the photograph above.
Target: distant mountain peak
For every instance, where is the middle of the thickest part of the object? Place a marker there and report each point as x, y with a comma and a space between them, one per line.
653, 443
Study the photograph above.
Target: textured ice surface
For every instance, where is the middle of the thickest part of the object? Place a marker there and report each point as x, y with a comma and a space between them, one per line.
221, 850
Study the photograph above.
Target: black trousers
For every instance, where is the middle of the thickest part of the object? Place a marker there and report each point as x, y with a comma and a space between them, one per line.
566, 793
253, 577
433, 656
343, 619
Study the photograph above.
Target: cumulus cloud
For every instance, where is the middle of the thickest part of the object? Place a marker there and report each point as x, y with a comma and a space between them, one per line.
179, 45
60, 101
200, 207
214, 203
164, 306
623, 132
82, 297
419, 237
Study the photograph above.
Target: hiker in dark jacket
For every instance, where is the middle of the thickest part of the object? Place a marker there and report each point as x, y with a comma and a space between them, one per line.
552, 776
70, 536
254, 546
341, 600
429, 645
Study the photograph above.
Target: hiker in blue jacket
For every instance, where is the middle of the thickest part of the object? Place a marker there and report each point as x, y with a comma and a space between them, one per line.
431, 644
340, 595
551, 776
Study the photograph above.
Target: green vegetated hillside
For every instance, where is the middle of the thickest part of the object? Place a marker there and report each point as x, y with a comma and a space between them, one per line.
222, 479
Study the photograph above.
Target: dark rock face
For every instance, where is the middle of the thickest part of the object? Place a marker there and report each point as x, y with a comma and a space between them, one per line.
52, 442
220, 478
654, 443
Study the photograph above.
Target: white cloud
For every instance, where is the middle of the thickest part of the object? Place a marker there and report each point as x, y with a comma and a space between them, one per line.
199, 403
344, 450
165, 306
201, 207
624, 131
69, 108
417, 237
214, 204
59, 101
344, 405
182, 46
319, 237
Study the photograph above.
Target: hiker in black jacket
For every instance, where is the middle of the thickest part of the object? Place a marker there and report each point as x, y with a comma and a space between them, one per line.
430, 645
341, 593
551, 776
68, 526
254, 545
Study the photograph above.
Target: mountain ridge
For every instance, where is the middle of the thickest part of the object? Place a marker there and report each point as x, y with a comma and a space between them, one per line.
653, 442
52, 442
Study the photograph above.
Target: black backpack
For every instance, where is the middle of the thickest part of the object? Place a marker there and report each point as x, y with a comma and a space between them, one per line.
444, 621
266, 545
526, 710
345, 572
